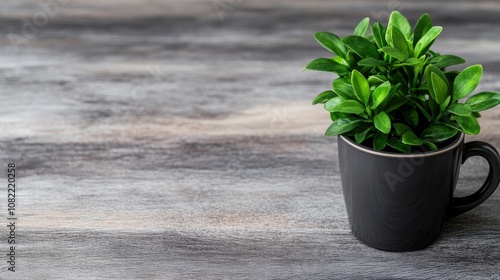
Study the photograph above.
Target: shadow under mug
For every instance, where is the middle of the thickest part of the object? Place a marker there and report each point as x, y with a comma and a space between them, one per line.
398, 202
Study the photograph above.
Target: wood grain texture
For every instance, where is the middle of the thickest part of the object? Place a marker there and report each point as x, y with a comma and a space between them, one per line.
156, 141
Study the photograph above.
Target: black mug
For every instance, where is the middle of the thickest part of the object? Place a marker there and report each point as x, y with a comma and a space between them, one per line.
398, 202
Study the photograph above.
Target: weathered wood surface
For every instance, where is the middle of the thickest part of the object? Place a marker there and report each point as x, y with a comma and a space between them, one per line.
157, 140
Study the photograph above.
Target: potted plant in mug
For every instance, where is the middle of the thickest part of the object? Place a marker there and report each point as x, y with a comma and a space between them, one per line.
400, 116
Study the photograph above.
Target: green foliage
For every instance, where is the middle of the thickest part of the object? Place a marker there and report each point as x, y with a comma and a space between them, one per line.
393, 92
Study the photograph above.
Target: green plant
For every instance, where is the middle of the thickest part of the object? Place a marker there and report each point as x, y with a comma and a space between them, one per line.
393, 92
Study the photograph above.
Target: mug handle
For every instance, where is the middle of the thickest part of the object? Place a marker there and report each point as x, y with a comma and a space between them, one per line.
460, 205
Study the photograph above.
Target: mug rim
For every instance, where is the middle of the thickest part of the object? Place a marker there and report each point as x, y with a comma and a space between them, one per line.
365, 149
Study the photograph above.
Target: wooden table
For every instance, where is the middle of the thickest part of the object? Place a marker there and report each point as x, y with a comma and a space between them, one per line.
167, 140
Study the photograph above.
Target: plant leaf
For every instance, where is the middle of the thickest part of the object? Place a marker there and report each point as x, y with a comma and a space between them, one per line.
395, 53
468, 124
467, 81
398, 145
380, 94
444, 106
436, 96
421, 106
330, 104
413, 117
378, 31
399, 42
377, 80
400, 22
409, 138
331, 42
483, 101
439, 88
349, 106
426, 41
372, 62
360, 86
334, 116
423, 25
343, 88
328, 65
438, 133
401, 128
352, 59
361, 46
324, 96
395, 103
460, 109
430, 145
362, 27
382, 122
342, 125
444, 61
363, 135
409, 62
380, 141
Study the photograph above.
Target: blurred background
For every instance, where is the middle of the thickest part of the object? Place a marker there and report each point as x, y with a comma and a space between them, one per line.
189, 123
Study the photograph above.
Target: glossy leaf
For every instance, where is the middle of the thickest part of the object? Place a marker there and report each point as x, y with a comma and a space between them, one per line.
361, 46
324, 96
409, 138
467, 81
483, 101
423, 25
401, 22
399, 42
444, 61
440, 95
460, 109
330, 104
409, 62
444, 106
380, 141
360, 86
362, 27
398, 145
468, 124
360, 137
395, 53
382, 122
331, 42
378, 31
343, 87
334, 116
377, 80
438, 133
426, 41
343, 125
401, 128
395, 103
352, 59
372, 62
430, 145
439, 88
380, 94
348, 106
328, 65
